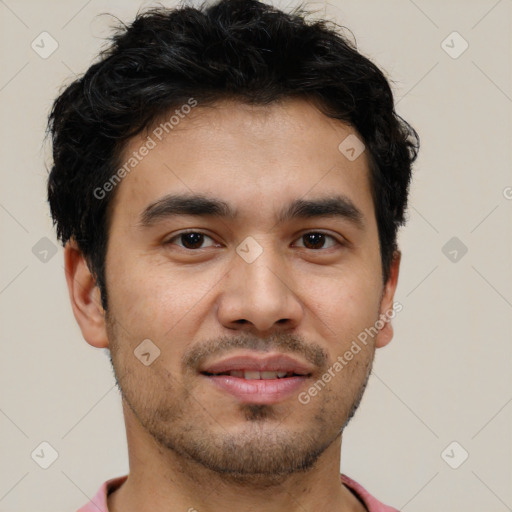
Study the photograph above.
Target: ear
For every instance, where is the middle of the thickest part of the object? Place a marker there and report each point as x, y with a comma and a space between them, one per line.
386, 305
85, 297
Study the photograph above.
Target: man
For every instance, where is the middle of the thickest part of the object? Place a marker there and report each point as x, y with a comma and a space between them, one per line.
228, 183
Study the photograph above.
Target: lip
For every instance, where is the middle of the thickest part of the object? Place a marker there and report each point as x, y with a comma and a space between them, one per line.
264, 362
268, 391
258, 391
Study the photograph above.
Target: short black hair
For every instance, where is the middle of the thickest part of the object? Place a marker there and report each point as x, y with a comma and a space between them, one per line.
234, 49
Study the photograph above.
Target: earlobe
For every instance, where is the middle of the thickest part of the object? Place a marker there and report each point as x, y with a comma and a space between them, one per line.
385, 334
85, 297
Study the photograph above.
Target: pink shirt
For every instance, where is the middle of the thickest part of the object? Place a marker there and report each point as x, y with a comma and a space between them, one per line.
99, 502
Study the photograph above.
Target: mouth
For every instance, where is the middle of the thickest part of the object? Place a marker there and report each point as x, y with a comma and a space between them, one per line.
258, 379
256, 375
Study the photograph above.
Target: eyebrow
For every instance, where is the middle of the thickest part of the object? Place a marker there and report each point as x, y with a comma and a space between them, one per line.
171, 205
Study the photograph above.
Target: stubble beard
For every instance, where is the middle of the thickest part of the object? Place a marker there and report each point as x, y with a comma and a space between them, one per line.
262, 454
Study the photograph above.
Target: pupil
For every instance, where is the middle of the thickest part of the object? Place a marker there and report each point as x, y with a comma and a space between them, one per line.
318, 238
195, 239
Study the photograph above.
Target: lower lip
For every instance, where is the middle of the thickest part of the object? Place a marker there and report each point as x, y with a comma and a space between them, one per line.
258, 391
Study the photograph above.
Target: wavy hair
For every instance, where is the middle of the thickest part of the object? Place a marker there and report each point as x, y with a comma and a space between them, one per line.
241, 49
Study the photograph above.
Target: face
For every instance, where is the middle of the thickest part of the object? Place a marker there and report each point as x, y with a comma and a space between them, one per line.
276, 269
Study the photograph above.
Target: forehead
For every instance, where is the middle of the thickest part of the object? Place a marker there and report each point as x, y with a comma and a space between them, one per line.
255, 157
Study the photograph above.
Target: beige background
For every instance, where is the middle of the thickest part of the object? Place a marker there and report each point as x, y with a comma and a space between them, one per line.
447, 374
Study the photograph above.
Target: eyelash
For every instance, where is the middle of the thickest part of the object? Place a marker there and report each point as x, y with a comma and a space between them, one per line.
169, 242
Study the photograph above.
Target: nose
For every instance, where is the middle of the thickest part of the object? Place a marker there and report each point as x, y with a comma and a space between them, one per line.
260, 296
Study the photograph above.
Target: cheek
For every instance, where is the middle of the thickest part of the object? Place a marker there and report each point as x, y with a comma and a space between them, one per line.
346, 303
151, 299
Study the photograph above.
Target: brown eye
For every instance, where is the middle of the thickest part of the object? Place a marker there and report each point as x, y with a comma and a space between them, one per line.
190, 239
316, 240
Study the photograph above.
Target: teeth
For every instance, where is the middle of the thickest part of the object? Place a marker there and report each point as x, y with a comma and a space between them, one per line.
253, 375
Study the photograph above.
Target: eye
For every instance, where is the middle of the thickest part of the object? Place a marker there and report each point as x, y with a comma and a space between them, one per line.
190, 239
316, 240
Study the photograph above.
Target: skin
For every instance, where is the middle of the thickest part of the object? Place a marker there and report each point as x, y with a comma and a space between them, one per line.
190, 444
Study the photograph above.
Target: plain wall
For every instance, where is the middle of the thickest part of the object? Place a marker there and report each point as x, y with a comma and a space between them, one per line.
445, 377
